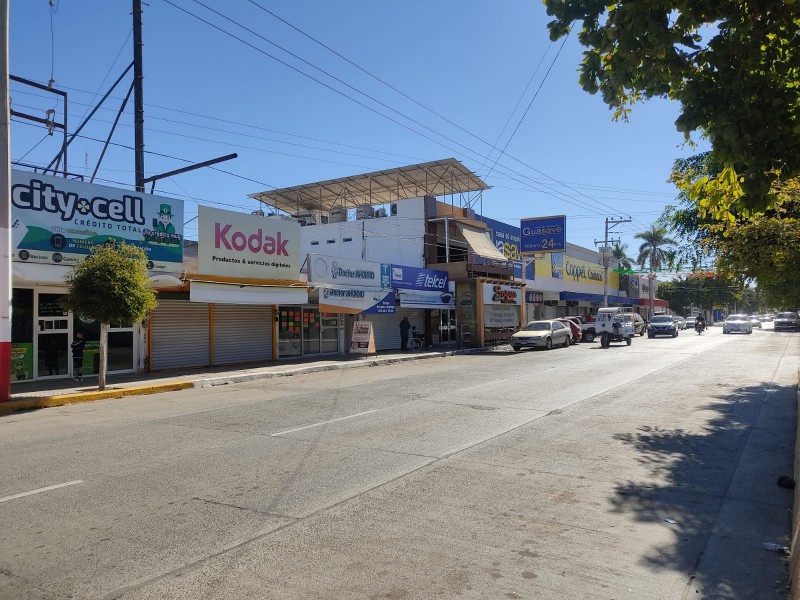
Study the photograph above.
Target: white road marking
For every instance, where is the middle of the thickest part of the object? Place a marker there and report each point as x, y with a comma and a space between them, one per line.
40, 490
366, 412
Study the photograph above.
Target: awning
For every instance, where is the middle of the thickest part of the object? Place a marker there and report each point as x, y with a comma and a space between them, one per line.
580, 296
479, 242
221, 293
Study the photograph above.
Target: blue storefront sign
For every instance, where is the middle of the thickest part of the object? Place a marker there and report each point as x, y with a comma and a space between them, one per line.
544, 234
413, 278
507, 239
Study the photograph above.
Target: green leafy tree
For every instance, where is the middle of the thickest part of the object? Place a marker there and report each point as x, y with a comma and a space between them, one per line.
619, 252
762, 247
734, 67
111, 286
654, 253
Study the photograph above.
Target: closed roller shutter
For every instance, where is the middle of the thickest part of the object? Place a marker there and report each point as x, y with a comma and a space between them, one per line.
242, 333
387, 327
179, 335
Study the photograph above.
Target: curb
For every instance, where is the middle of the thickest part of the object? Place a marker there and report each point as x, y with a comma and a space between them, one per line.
356, 364
61, 400
7, 408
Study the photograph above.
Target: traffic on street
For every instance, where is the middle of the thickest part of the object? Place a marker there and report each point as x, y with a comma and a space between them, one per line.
641, 471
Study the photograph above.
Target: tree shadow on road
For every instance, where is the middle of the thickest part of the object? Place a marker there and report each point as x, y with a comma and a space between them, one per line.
715, 489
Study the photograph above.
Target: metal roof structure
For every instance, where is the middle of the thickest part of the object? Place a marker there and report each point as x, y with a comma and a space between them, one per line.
437, 178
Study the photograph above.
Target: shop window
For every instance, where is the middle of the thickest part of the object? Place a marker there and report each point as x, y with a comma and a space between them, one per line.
21, 335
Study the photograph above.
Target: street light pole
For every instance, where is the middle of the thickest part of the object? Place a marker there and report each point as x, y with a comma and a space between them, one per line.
5, 211
605, 249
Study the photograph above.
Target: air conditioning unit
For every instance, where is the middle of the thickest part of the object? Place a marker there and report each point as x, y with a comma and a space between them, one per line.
338, 214
365, 211
305, 217
380, 212
280, 217
393, 209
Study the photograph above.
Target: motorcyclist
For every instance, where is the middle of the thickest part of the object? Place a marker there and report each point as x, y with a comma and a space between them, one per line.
700, 323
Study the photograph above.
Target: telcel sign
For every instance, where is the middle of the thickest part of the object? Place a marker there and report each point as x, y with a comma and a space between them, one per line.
412, 278
544, 234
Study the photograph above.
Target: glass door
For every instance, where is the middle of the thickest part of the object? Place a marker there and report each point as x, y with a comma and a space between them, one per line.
53, 347
330, 332
447, 326
311, 331
289, 331
52, 337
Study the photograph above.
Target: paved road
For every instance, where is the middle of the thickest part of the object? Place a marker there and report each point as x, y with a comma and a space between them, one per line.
640, 472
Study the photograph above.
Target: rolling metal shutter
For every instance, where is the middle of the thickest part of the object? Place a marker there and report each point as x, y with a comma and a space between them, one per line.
242, 333
387, 327
179, 335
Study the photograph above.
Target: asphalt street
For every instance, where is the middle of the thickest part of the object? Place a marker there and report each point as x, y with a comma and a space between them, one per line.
646, 471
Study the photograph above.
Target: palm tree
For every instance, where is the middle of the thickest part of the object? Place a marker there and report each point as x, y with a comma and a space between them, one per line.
620, 254
654, 253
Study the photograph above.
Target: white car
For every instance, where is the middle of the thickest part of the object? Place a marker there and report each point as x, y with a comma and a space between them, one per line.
541, 334
737, 324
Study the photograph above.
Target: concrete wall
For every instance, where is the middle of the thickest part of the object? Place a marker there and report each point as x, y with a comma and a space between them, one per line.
397, 239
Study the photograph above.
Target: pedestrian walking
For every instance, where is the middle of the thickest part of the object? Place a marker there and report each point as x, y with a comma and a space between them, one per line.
405, 327
77, 356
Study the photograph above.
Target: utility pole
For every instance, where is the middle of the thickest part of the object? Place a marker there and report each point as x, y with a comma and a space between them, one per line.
138, 95
606, 253
5, 210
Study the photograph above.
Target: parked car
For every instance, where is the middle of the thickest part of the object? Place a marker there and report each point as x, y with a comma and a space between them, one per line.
541, 334
755, 321
681, 322
574, 328
662, 325
639, 326
787, 320
737, 324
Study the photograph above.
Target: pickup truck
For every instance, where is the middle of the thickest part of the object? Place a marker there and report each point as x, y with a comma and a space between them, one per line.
589, 333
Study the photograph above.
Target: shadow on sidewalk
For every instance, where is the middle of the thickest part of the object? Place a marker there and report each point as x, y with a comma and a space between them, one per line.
722, 480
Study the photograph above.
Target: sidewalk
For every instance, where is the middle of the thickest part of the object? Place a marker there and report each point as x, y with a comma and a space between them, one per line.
48, 393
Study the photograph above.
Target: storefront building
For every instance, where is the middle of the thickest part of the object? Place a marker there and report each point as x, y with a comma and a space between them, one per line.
55, 223
241, 301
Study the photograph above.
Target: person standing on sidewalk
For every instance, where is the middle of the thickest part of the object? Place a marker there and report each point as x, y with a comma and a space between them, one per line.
77, 356
405, 327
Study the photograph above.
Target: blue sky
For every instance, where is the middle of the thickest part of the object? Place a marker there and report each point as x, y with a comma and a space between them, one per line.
208, 94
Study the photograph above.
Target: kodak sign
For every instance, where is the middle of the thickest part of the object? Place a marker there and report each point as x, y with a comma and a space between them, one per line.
249, 246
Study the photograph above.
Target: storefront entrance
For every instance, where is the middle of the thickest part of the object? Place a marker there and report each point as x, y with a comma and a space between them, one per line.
42, 331
447, 326
306, 332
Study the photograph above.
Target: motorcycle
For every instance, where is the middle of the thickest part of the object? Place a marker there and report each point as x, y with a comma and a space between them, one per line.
699, 327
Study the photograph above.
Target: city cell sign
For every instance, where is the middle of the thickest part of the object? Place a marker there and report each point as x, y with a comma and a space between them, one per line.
248, 246
58, 221
544, 234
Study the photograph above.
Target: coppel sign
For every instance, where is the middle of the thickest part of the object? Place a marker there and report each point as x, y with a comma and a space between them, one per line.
544, 234
412, 278
249, 246
58, 221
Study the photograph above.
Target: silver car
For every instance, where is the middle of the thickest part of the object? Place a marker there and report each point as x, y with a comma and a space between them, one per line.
737, 324
541, 334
